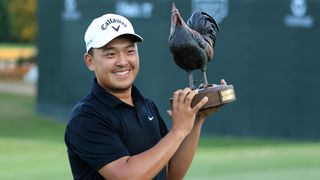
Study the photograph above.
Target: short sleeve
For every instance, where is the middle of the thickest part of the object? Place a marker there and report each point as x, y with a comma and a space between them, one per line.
94, 140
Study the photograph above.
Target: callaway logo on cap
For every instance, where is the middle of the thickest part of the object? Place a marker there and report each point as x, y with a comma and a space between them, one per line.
104, 29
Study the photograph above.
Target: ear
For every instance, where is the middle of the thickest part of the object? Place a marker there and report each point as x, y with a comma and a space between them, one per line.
88, 59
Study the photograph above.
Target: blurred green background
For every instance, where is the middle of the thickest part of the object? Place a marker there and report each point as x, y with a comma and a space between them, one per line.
32, 147
267, 49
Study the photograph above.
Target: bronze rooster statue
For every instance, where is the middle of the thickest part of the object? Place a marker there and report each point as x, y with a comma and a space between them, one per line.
192, 44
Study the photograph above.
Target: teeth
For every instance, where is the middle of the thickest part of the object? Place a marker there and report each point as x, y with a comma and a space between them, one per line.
121, 73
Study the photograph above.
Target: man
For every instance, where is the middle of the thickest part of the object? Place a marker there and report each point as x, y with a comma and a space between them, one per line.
115, 132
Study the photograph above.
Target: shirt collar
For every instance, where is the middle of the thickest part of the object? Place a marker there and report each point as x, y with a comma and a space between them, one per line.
112, 101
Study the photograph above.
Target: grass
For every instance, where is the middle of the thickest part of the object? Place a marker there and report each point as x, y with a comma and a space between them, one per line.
257, 159
17, 45
32, 147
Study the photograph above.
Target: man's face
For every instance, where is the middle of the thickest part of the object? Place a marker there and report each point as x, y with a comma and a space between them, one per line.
116, 65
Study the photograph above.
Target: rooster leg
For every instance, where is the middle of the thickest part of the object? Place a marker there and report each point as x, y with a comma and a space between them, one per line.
204, 78
191, 85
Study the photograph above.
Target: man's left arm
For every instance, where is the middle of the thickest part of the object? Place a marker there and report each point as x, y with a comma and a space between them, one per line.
182, 159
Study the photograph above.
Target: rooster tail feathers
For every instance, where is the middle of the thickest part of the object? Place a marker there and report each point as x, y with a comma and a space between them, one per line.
213, 29
214, 23
201, 21
205, 25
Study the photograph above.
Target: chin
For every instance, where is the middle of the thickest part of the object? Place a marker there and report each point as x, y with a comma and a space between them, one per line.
123, 87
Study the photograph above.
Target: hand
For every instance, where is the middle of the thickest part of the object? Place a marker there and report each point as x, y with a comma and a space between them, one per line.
203, 113
182, 114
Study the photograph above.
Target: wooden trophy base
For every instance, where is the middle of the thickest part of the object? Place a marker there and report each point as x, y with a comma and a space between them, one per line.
217, 95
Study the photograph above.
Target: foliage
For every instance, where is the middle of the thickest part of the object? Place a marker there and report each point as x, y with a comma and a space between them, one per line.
23, 24
18, 20
4, 20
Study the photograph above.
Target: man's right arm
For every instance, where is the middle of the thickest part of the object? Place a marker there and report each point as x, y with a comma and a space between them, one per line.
150, 162
146, 164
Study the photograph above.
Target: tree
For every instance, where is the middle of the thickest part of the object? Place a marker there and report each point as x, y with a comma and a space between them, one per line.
23, 24
4, 20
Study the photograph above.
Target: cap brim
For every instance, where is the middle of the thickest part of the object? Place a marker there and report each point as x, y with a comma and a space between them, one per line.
135, 38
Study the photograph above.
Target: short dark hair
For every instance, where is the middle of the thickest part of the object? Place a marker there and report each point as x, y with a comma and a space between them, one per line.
90, 52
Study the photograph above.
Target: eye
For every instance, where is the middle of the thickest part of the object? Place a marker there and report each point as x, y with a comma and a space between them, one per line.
131, 51
109, 54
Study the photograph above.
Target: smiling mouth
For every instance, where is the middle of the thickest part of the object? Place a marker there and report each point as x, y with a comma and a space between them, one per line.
121, 73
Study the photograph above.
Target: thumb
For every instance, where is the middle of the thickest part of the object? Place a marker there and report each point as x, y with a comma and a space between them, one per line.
223, 82
169, 113
201, 103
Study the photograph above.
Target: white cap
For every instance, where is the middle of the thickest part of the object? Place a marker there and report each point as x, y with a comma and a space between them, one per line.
104, 29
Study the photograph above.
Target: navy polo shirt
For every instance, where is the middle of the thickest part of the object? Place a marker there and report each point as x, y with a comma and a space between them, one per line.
102, 129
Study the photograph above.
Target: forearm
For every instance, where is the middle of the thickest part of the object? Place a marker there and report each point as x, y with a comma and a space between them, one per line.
182, 159
146, 164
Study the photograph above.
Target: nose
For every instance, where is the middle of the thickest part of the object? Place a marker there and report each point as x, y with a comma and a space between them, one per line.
122, 59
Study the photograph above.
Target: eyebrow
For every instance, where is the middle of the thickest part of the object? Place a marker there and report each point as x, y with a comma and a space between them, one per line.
106, 48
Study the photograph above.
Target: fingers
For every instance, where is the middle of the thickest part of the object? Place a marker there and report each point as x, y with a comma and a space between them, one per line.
223, 82
190, 96
175, 100
169, 113
183, 97
203, 113
203, 101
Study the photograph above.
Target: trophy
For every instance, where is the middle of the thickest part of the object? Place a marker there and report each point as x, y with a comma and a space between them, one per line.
192, 46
